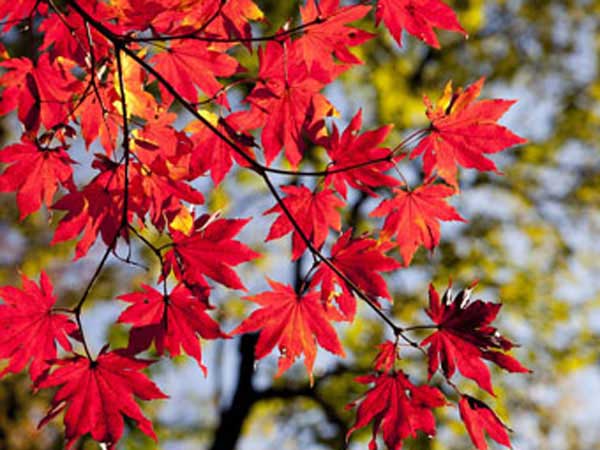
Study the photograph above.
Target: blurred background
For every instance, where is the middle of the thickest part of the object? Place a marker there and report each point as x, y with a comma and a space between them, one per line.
533, 241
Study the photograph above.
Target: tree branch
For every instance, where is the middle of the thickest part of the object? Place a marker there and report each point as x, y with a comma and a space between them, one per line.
233, 418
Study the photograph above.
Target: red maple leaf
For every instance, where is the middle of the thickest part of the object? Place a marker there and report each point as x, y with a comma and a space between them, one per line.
417, 17
97, 394
213, 153
30, 328
14, 13
414, 216
210, 251
98, 116
159, 15
174, 18
35, 173
162, 194
462, 131
360, 260
163, 174
314, 212
352, 149
188, 64
66, 35
332, 36
397, 407
236, 15
478, 417
222, 21
173, 322
41, 92
386, 357
96, 209
292, 322
287, 102
464, 338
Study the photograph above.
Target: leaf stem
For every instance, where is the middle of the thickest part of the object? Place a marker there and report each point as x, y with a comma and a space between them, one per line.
157, 252
421, 327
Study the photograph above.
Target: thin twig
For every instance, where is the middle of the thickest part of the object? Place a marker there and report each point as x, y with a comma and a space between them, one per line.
86, 293
157, 252
240, 40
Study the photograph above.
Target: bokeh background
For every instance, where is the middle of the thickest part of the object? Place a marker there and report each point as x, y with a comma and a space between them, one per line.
533, 241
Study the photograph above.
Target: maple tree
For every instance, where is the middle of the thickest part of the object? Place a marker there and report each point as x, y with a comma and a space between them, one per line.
114, 74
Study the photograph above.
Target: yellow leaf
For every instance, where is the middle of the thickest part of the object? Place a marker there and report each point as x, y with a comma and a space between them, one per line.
184, 221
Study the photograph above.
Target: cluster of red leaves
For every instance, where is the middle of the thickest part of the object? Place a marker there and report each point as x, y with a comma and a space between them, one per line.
462, 338
396, 407
110, 72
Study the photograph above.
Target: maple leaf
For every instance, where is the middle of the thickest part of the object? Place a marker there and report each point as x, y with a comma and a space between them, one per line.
292, 322
287, 102
219, 20
360, 260
237, 13
65, 35
165, 197
140, 102
213, 153
397, 407
188, 63
98, 116
352, 149
96, 209
173, 322
159, 140
331, 37
30, 328
462, 131
93, 210
41, 92
464, 338
59, 41
417, 17
160, 15
209, 250
386, 357
97, 394
478, 417
34, 173
162, 174
13, 13
171, 17
314, 212
163, 194
414, 216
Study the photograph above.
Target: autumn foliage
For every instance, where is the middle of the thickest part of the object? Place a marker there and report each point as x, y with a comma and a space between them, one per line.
115, 74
